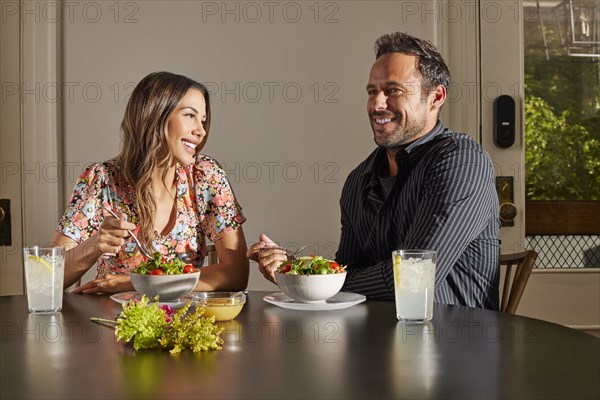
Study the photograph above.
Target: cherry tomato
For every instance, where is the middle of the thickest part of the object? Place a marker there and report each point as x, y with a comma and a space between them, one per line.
334, 265
157, 271
285, 268
188, 269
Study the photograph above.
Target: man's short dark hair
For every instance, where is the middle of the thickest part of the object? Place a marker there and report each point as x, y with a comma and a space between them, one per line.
430, 63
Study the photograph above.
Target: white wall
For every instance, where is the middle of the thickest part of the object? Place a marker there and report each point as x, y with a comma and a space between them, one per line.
287, 154
569, 296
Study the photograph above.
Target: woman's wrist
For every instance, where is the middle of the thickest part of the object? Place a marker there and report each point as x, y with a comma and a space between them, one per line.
84, 255
90, 250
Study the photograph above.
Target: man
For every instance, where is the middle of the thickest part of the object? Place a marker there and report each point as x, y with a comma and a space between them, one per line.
424, 187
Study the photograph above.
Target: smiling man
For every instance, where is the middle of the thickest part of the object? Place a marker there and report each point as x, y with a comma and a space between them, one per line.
424, 187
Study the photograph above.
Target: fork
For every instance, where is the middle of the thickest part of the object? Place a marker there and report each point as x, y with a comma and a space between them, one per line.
143, 250
289, 256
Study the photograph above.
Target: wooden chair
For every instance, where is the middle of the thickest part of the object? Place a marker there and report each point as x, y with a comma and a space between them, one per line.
514, 283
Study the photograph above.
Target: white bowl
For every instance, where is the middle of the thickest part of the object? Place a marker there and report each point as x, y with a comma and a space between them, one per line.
167, 287
310, 288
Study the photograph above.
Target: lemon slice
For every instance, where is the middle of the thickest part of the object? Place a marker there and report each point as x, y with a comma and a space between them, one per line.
396, 268
40, 261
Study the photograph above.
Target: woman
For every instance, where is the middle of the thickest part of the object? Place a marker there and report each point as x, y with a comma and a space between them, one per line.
163, 190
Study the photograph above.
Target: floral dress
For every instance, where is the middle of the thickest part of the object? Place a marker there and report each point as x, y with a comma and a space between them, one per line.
205, 203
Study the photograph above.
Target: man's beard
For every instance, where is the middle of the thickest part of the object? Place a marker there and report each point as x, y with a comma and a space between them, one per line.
401, 135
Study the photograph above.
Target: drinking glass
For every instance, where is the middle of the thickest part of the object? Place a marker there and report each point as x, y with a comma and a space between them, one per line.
414, 283
44, 275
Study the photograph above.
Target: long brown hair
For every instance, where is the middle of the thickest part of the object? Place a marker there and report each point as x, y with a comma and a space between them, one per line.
144, 138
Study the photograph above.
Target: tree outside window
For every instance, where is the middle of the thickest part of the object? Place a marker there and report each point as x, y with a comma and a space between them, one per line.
562, 128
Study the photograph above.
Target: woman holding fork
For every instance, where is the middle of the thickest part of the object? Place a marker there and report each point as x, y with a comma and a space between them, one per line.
164, 192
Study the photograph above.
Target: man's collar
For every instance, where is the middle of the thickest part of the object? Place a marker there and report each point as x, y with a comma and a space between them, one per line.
437, 129
411, 148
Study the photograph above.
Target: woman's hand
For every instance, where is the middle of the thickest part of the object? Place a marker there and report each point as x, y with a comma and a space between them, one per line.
106, 284
268, 255
112, 233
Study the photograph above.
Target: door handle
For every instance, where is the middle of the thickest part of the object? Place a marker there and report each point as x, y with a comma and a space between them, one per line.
5, 232
508, 210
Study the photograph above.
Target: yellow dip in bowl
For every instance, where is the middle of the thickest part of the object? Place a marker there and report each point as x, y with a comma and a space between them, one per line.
224, 306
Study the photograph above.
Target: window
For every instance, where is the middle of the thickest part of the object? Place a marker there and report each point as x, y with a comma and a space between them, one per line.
562, 132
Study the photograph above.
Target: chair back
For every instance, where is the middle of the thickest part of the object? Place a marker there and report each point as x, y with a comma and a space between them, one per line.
515, 282
211, 254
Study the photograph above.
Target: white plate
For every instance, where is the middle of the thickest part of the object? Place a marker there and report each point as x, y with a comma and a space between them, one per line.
337, 302
124, 297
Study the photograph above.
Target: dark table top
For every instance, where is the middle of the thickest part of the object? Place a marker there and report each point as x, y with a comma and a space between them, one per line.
270, 352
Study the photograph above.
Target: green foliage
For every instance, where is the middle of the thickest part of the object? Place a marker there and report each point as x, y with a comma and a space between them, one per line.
150, 326
562, 158
142, 323
193, 331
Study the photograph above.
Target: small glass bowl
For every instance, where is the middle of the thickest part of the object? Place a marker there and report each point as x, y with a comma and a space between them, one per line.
224, 306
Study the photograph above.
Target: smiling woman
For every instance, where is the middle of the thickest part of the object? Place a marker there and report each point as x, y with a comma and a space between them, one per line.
186, 127
163, 190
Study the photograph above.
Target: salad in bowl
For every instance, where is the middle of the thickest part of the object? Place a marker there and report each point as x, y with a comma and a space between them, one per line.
158, 265
169, 280
313, 265
310, 279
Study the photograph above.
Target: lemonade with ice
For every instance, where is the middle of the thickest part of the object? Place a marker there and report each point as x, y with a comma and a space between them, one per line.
414, 281
44, 274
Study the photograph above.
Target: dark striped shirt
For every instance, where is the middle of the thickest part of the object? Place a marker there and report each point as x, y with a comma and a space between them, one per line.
444, 199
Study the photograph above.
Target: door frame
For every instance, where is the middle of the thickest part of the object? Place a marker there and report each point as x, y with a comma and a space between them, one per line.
11, 274
501, 33
31, 54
